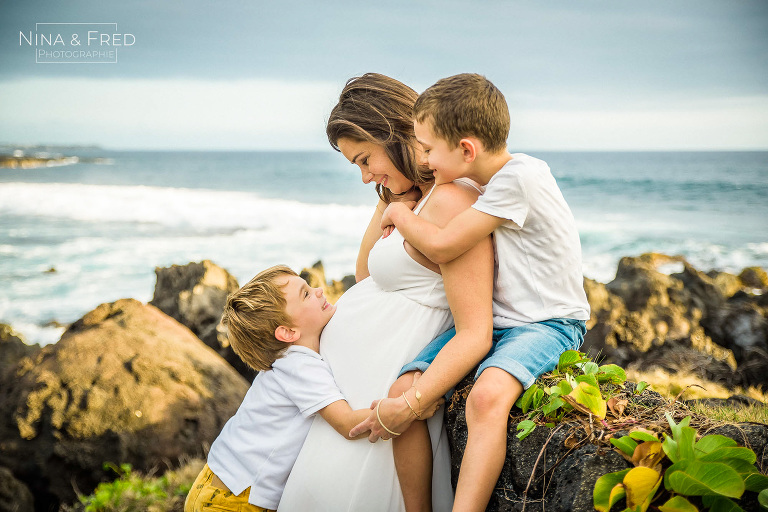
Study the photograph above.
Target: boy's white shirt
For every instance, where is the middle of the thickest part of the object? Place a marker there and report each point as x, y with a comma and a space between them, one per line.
538, 252
259, 445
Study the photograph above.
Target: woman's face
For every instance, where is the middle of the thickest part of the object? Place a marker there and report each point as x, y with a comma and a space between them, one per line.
374, 164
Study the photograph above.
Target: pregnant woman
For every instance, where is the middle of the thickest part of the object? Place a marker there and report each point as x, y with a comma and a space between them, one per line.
400, 303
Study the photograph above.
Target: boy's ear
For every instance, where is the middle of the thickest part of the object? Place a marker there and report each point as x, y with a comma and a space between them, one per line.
287, 334
469, 149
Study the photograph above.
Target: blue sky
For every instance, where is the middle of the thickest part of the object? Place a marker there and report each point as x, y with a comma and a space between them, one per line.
578, 75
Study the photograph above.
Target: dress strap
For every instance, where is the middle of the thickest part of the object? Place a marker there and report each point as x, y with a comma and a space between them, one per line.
464, 181
423, 201
468, 182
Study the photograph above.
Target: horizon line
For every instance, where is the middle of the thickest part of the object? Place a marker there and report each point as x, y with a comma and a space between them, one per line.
325, 148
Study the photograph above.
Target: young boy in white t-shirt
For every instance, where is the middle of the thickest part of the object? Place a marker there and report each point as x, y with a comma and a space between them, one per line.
539, 303
274, 324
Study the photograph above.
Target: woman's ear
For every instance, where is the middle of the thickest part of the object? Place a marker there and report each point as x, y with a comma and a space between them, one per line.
287, 334
469, 149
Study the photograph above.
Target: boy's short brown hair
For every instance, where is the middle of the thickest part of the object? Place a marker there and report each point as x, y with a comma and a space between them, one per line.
251, 316
466, 105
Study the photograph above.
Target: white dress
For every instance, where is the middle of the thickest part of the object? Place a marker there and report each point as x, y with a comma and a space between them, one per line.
380, 324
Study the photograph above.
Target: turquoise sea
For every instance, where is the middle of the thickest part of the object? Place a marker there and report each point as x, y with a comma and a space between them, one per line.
104, 227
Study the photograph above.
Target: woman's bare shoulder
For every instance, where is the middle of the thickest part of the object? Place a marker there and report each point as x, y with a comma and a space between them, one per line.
447, 201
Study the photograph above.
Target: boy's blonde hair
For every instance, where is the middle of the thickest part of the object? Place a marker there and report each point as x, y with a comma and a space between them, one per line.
466, 105
251, 316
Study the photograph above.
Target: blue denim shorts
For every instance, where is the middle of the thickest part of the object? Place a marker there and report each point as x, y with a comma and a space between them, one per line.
525, 352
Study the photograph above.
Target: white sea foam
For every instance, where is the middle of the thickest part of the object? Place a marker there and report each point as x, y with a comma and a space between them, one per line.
105, 241
175, 207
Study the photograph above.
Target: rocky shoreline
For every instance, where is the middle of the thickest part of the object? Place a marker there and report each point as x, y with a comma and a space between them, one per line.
152, 384
19, 157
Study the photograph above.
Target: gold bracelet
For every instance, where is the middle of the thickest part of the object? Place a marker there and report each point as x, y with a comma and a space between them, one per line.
411, 407
378, 417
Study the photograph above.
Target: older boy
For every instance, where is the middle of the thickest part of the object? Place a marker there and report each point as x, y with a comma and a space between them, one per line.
274, 325
540, 307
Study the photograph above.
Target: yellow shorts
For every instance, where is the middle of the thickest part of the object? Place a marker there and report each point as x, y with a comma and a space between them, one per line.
204, 496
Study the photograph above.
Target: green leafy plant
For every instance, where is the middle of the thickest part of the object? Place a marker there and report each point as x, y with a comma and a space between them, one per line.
712, 471
575, 385
133, 492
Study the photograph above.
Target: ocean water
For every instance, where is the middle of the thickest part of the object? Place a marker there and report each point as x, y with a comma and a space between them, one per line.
104, 227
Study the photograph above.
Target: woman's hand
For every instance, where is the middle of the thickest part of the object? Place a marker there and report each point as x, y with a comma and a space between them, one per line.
396, 414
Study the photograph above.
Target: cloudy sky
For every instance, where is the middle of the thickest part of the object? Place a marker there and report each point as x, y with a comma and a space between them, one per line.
578, 75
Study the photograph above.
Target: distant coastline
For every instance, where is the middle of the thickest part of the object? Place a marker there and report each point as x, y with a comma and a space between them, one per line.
21, 156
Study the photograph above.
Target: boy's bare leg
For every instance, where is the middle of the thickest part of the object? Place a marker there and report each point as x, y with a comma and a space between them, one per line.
413, 457
487, 411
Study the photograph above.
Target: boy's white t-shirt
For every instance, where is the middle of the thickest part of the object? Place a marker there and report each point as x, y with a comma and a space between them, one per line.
538, 253
259, 445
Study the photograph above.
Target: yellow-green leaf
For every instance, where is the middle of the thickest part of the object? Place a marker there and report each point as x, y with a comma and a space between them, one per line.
608, 490
565, 388
589, 396
648, 454
678, 504
641, 484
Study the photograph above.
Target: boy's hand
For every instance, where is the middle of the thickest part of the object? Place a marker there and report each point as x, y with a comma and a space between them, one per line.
387, 225
395, 414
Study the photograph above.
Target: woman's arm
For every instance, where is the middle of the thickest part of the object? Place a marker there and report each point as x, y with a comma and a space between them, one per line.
372, 234
469, 287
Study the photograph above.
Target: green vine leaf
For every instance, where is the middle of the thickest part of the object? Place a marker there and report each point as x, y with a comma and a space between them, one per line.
612, 373
731, 452
524, 428
712, 442
588, 367
589, 379
625, 444
678, 504
762, 498
703, 478
524, 402
720, 504
568, 358
552, 406
643, 435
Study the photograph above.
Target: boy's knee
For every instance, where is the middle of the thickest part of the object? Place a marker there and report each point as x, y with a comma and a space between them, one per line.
494, 395
401, 385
